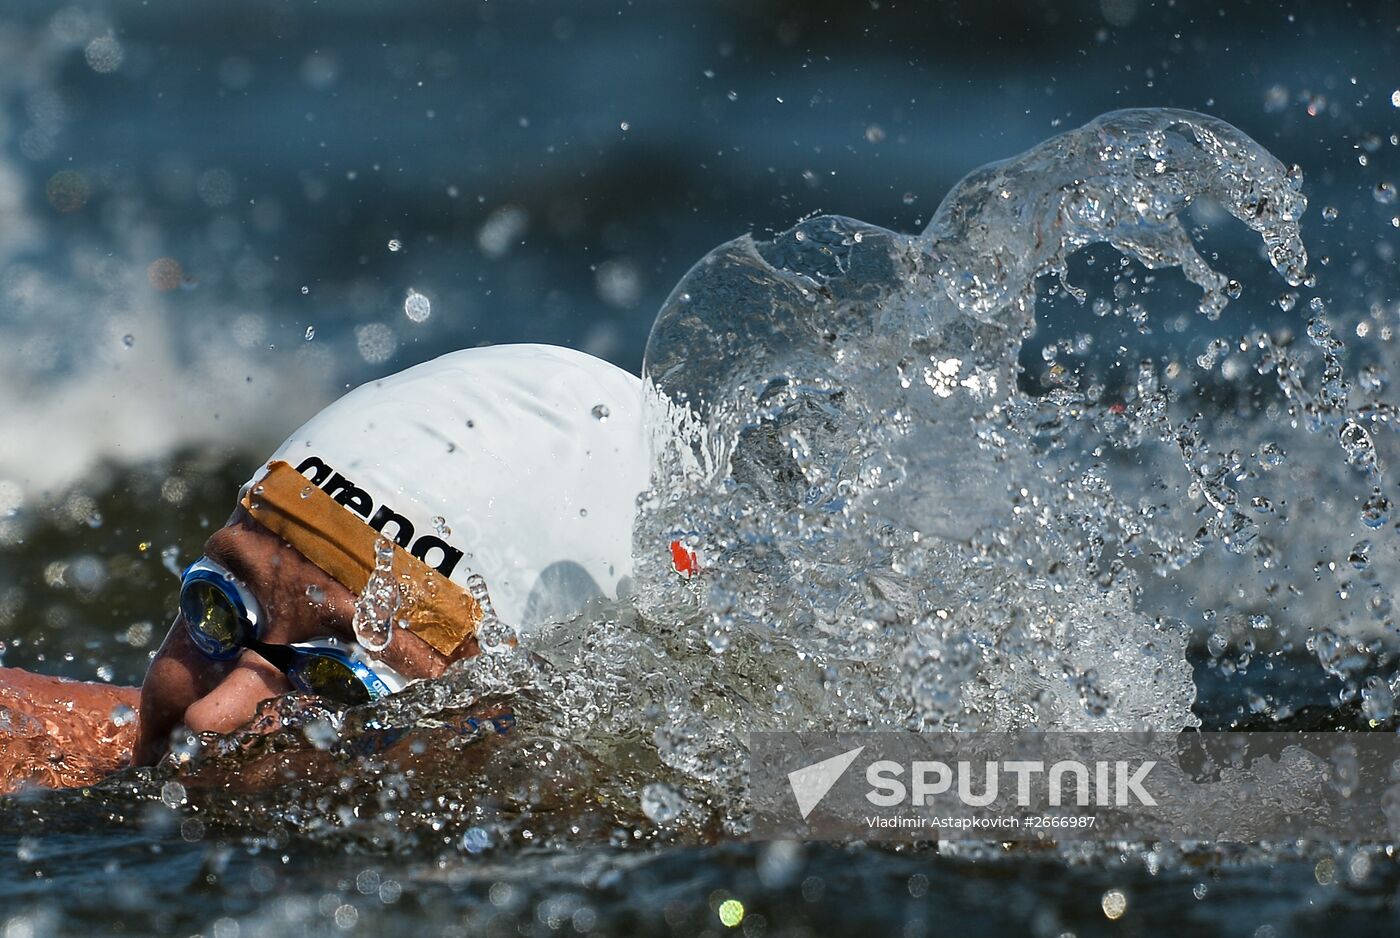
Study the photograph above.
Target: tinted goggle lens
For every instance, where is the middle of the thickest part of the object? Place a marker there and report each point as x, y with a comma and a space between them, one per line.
328, 677
213, 621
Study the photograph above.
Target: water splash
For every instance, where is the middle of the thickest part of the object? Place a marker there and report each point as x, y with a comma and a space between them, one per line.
873, 486
379, 602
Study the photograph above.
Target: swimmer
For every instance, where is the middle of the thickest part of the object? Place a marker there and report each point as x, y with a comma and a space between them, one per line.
463, 501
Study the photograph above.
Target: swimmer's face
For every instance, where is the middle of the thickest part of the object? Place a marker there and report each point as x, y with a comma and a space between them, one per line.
300, 602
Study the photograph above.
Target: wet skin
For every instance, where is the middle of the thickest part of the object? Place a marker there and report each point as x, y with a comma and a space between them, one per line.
300, 602
57, 733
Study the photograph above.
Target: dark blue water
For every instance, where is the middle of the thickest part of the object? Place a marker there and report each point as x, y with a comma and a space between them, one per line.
322, 133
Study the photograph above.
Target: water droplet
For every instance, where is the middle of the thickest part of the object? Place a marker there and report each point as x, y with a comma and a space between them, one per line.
1360, 557
476, 839
395, 245
662, 803
1330, 213
173, 794
122, 715
416, 306
600, 412
378, 603
1376, 510
310, 333
1385, 193
305, 290
128, 340
1377, 699
321, 734
440, 526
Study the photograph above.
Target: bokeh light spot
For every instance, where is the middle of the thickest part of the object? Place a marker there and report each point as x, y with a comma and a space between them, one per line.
1115, 904
67, 190
165, 274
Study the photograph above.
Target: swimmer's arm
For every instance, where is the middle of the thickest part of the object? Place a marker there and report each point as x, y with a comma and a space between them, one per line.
58, 733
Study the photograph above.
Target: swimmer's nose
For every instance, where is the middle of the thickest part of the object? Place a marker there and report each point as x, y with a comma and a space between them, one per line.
235, 700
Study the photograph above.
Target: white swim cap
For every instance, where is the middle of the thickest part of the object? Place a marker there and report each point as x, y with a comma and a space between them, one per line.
521, 463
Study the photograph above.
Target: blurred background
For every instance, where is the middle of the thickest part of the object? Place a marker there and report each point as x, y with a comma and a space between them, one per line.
214, 218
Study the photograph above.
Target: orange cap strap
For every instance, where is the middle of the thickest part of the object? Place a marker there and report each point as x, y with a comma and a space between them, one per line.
331, 536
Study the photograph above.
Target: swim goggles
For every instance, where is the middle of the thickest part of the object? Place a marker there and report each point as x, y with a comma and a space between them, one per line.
223, 618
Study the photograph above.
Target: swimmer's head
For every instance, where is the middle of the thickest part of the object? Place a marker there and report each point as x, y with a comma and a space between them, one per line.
497, 481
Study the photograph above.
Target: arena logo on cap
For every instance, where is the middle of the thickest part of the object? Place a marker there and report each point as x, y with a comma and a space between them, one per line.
347, 493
